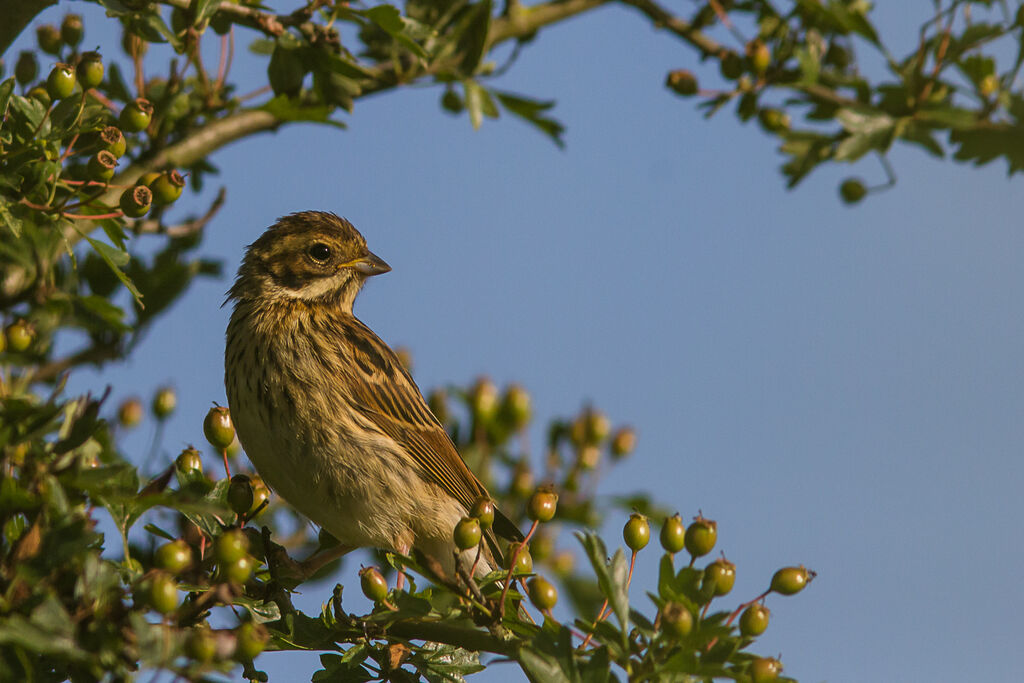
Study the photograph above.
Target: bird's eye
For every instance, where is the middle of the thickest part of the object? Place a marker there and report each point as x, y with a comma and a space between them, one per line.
319, 252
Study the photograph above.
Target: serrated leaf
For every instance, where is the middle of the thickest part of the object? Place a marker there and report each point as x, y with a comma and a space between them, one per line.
390, 20
114, 259
611, 575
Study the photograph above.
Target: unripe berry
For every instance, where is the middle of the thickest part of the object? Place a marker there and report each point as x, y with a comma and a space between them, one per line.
164, 403
162, 593
133, 45
524, 561
467, 533
760, 56
238, 571
542, 592
730, 64
61, 82
230, 546
515, 408
773, 120
130, 413
71, 30
48, 37
483, 399
39, 94
218, 428
167, 188
623, 442
764, 670
260, 495
483, 510
522, 480
148, 178
637, 532
112, 139
101, 166
791, 580
136, 115
673, 534
240, 494
26, 68
250, 640
754, 620
136, 201
189, 461
19, 336
90, 70
374, 585
201, 645
174, 556
542, 505
682, 82
721, 575
676, 620
852, 190
701, 537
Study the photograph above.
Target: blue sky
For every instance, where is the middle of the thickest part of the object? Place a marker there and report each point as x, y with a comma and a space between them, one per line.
839, 387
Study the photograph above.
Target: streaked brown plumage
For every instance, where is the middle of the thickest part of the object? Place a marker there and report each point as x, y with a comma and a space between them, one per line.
324, 408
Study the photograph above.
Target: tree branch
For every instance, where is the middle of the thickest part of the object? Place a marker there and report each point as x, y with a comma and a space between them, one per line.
662, 18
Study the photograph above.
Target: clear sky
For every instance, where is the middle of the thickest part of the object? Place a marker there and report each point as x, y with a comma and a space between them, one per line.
839, 387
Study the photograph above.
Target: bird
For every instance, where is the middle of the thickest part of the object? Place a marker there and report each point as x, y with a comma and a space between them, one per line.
326, 411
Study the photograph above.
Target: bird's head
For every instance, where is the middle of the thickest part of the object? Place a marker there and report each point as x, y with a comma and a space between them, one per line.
312, 256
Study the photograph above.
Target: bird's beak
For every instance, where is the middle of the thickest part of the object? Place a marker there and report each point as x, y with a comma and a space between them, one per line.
371, 264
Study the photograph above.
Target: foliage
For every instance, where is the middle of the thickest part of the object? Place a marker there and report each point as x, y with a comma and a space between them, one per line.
93, 153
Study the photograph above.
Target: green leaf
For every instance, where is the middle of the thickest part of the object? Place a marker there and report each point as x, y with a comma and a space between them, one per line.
402, 29
204, 9
531, 111
983, 145
611, 576
6, 89
114, 259
285, 109
479, 103
261, 611
262, 46
471, 35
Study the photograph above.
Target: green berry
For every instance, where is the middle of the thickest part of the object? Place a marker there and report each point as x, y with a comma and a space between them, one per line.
483, 510
136, 115
791, 580
260, 495
190, 461
250, 641
676, 620
148, 178
40, 95
773, 120
522, 480
240, 494
542, 505
101, 166
167, 188
721, 574
451, 102
112, 139
48, 37
596, 426
71, 30
760, 56
61, 82
230, 546
701, 536
174, 556
637, 532
673, 534
19, 336
764, 670
524, 561
467, 533
136, 201
218, 428
852, 190
164, 402
730, 64
374, 585
682, 82
90, 70
483, 400
201, 645
623, 442
26, 68
238, 571
754, 620
130, 413
162, 593
515, 408
542, 592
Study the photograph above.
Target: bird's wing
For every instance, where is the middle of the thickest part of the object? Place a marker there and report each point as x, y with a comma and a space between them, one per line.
386, 394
